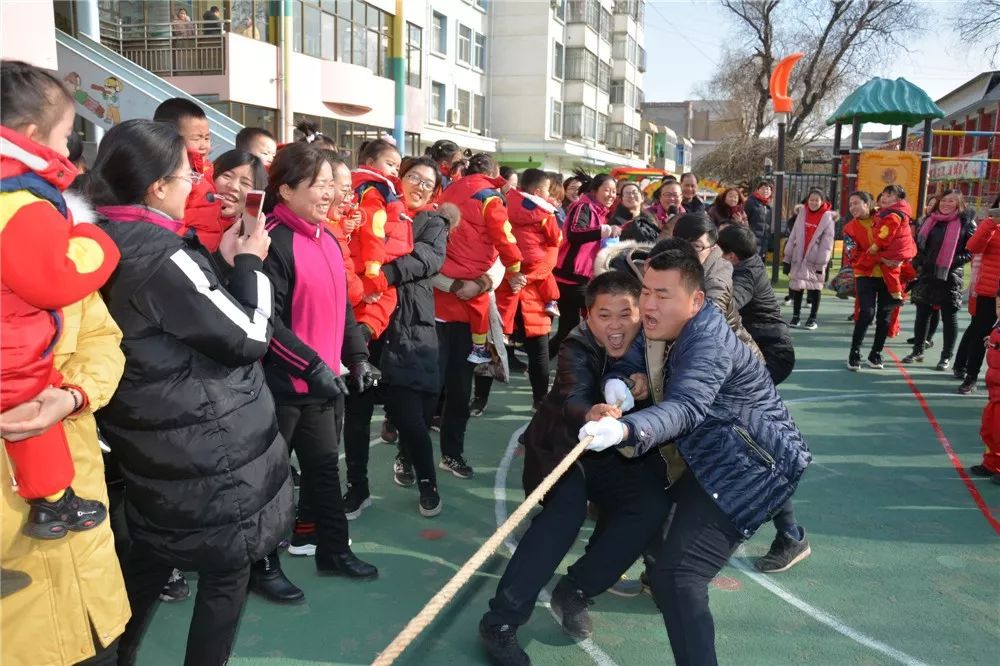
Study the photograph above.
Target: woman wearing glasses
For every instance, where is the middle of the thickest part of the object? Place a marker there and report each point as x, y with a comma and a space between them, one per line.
192, 423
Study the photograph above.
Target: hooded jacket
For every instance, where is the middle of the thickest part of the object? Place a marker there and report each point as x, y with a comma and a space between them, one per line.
193, 423
48, 260
809, 260
485, 231
986, 243
581, 241
203, 211
410, 349
721, 409
535, 229
759, 311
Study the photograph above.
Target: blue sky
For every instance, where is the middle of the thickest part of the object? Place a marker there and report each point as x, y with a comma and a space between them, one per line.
684, 38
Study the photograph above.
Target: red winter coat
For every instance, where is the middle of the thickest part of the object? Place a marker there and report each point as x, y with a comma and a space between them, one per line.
200, 214
484, 232
986, 242
534, 225
355, 290
46, 263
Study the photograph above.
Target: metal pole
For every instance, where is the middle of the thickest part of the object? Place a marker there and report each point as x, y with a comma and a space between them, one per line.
835, 165
286, 115
779, 193
852, 175
397, 65
902, 139
925, 167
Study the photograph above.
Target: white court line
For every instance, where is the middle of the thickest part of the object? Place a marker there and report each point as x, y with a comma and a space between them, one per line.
599, 656
883, 394
821, 616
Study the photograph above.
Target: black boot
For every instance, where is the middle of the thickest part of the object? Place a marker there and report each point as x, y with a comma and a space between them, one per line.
69, 513
344, 564
268, 580
500, 642
570, 606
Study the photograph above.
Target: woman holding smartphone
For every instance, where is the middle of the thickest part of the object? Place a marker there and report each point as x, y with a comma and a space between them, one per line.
237, 173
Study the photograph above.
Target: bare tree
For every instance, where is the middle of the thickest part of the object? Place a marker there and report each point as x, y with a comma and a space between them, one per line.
843, 41
978, 22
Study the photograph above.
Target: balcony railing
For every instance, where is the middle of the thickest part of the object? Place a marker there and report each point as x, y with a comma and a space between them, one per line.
170, 49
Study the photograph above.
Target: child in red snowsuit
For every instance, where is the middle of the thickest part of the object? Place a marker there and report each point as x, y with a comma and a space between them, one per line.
46, 263
202, 211
386, 232
892, 241
537, 232
990, 430
482, 235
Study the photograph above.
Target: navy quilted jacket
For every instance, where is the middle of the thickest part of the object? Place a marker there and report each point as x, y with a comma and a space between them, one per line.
731, 427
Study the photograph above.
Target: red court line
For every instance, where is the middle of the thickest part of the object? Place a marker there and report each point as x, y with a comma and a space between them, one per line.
946, 445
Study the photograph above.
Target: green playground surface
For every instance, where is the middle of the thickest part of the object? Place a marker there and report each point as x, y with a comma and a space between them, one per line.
905, 567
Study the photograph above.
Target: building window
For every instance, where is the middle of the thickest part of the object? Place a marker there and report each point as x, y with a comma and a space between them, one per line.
589, 123
438, 103
624, 47
464, 98
559, 9
581, 65
604, 77
353, 32
479, 112
249, 18
481, 4
439, 33
414, 55
573, 120
585, 11
556, 120
558, 60
249, 115
464, 44
605, 25
479, 52
617, 91
602, 128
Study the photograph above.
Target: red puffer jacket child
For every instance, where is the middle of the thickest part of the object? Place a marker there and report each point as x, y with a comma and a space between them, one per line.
892, 240
202, 211
385, 234
483, 234
990, 430
47, 262
355, 289
537, 232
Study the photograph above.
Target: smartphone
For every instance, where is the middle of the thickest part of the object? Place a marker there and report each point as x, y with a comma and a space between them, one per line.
251, 211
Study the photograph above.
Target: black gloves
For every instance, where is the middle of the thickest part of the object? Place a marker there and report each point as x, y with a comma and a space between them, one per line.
364, 376
786, 268
323, 383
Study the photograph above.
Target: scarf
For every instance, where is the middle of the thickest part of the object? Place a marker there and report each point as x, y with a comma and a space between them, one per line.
140, 213
656, 210
946, 253
812, 220
764, 200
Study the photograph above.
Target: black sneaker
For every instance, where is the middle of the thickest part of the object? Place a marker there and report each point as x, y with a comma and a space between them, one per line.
356, 500
456, 466
968, 387
430, 500
647, 587
389, 433
293, 472
477, 407
811, 324
302, 544
943, 364
785, 553
795, 322
980, 470
958, 372
500, 642
915, 357
570, 606
854, 360
69, 513
402, 472
176, 588
436, 423
875, 360
912, 341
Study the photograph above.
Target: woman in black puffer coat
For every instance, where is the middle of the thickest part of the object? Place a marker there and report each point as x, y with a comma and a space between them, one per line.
940, 264
193, 423
409, 361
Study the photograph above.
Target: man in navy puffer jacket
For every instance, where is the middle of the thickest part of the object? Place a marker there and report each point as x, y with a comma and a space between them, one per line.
733, 453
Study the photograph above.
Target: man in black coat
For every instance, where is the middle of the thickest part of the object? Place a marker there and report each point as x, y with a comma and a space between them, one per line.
631, 491
754, 297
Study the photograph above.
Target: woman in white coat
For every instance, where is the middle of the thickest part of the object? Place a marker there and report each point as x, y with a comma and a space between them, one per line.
807, 254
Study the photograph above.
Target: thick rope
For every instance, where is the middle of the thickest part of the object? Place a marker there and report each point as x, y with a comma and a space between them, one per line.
447, 593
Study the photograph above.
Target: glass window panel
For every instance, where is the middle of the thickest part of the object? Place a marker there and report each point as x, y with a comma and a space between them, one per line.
439, 33
464, 107
479, 52
328, 29
558, 60
358, 44
344, 8
437, 101
297, 27
372, 50
344, 30
479, 112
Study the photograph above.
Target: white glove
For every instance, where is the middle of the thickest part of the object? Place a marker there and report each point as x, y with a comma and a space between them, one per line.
606, 230
617, 393
607, 432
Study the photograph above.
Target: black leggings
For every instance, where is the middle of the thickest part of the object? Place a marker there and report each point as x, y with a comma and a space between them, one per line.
411, 412
571, 306
812, 298
537, 349
873, 304
979, 328
949, 318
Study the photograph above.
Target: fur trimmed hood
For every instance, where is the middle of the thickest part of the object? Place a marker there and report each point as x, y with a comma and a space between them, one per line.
621, 255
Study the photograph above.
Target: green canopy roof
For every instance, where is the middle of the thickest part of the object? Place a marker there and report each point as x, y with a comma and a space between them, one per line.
887, 102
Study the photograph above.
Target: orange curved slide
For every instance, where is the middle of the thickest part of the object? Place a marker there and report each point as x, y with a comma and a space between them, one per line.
779, 83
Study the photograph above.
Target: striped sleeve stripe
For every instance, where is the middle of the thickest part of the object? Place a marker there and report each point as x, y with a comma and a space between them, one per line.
256, 328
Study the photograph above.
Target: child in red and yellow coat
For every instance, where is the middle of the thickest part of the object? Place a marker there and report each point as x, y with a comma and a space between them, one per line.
483, 234
202, 211
537, 233
385, 233
892, 240
990, 430
48, 261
